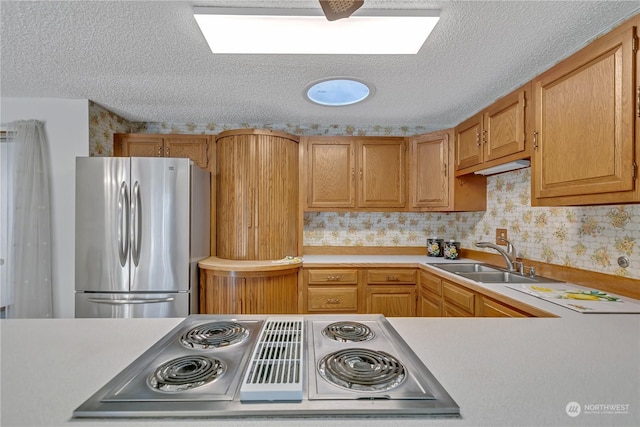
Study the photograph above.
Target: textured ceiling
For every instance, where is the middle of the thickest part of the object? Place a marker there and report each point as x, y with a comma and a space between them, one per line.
148, 61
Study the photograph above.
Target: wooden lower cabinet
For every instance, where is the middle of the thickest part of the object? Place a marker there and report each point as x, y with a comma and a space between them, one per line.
439, 297
330, 291
391, 292
429, 296
272, 292
458, 299
392, 301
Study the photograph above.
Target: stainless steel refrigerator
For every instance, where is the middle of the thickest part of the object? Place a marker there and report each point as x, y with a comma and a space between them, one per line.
142, 225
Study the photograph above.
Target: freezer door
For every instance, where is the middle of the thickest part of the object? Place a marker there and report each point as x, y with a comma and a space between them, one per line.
102, 224
159, 224
132, 305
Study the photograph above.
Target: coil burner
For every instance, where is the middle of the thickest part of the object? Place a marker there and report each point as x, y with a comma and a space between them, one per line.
362, 369
214, 335
185, 373
348, 332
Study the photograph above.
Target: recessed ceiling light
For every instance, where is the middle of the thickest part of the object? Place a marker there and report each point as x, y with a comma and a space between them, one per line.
307, 31
337, 92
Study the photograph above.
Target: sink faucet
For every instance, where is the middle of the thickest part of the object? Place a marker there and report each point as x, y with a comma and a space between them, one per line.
509, 255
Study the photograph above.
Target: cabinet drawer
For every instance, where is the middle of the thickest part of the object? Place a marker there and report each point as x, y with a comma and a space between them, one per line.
324, 277
459, 296
431, 283
391, 276
333, 299
491, 308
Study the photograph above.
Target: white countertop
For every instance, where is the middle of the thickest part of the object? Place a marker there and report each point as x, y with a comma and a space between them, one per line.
424, 260
502, 372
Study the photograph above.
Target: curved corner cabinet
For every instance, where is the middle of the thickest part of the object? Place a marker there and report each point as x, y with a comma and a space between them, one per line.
248, 287
257, 210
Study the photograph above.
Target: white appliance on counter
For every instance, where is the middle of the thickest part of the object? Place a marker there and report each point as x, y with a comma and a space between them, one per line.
142, 225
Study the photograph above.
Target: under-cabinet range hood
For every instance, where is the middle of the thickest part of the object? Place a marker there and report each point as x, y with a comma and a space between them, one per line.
246, 365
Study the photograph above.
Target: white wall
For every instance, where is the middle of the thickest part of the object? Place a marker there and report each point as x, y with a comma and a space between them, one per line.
67, 128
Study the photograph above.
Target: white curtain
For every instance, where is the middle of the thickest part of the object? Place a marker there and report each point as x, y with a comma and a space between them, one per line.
29, 261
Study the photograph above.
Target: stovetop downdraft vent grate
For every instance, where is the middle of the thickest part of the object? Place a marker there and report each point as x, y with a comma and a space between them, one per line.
275, 368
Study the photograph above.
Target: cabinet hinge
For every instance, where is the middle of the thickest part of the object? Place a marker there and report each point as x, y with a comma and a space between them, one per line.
635, 169
635, 44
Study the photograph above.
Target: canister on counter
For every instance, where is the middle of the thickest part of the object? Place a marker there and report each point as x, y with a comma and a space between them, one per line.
435, 247
452, 250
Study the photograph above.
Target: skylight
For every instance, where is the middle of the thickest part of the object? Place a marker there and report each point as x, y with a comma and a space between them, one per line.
338, 92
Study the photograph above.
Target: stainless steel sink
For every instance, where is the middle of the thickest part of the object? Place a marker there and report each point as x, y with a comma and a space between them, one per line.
498, 277
485, 273
466, 268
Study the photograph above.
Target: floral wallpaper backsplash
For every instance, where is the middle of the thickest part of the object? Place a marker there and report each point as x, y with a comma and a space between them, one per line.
102, 125
591, 237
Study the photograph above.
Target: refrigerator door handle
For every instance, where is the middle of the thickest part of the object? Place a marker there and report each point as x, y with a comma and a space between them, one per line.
136, 229
129, 301
123, 221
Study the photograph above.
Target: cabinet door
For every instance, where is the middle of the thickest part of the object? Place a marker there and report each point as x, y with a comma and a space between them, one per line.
193, 147
275, 197
468, 142
137, 145
398, 301
457, 296
584, 117
382, 173
234, 199
429, 305
271, 294
331, 169
503, 130
220, 294
429, 183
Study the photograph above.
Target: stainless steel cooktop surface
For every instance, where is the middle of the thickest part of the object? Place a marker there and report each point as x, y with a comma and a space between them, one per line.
254, 365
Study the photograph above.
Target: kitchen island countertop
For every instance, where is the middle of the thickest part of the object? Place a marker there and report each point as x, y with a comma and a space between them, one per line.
502, 372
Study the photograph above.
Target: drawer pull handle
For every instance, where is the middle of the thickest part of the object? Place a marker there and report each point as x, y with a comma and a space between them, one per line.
333, 301
392, 278
333, 278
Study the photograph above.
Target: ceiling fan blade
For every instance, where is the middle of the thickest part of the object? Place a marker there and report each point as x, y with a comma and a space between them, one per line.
338, 9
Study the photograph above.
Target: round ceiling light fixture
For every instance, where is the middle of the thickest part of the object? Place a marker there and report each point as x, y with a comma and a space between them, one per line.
338, 91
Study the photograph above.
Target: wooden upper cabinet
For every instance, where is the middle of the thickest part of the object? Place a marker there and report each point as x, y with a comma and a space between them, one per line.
256, 195
331, 169
194, 147
367, 173
496, 135
429, 164
585, 113
432, 184
382, 173
469, 143
503, 126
